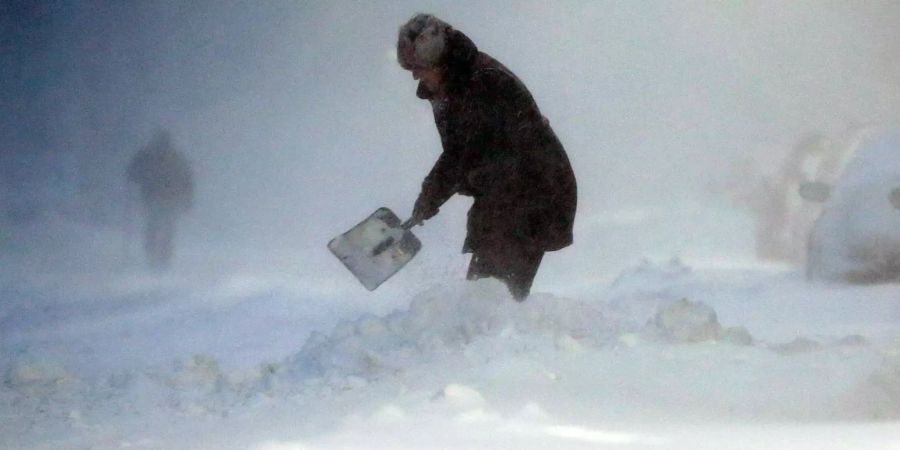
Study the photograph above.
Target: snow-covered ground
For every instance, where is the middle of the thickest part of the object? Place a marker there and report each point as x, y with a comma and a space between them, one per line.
690, 348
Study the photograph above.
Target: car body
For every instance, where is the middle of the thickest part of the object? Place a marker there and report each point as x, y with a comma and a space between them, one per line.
856, 238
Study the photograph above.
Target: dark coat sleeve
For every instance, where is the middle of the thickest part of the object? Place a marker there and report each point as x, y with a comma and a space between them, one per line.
441, 183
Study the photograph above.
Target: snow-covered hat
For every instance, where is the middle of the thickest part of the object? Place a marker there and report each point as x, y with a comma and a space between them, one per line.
422, 41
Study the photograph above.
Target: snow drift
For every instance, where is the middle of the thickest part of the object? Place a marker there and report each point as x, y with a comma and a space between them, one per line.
465, 365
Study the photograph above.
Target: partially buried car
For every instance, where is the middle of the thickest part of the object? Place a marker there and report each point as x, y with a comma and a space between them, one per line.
856, 238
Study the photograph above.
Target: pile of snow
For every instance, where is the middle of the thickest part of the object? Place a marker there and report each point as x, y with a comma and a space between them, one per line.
443, 322
880, 392
686, 321
464, 365
39, 375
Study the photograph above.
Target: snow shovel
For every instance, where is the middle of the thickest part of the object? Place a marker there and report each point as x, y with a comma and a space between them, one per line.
376, 248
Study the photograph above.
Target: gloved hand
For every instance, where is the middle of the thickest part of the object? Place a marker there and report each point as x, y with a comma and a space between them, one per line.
422, 211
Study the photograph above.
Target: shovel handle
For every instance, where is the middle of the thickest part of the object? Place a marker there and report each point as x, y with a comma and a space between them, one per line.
409, 224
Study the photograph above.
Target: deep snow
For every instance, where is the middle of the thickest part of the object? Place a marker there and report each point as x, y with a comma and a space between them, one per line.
696, 351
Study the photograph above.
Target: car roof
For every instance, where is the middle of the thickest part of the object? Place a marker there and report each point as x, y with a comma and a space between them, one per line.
877, 158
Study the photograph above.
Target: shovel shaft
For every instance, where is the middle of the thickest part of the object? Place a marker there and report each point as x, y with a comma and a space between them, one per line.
409, 224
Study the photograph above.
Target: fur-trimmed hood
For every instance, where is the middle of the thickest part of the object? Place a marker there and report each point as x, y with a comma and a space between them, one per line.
428, 42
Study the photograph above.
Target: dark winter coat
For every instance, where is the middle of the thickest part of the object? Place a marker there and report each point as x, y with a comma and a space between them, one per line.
164, 176
500, 150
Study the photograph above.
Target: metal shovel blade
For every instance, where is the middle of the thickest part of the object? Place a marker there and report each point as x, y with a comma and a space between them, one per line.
376, 248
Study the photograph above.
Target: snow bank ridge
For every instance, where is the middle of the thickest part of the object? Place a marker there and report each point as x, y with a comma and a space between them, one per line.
442, 322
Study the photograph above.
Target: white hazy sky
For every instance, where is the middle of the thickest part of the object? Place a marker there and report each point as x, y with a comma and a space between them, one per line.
649, 97
300, 122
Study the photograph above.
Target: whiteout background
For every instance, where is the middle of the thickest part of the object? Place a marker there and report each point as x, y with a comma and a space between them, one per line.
300, 123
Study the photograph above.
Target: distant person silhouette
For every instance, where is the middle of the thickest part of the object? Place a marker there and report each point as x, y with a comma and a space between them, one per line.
166, 182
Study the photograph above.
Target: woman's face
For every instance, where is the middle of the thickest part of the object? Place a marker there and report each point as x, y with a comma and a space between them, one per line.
431, 77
